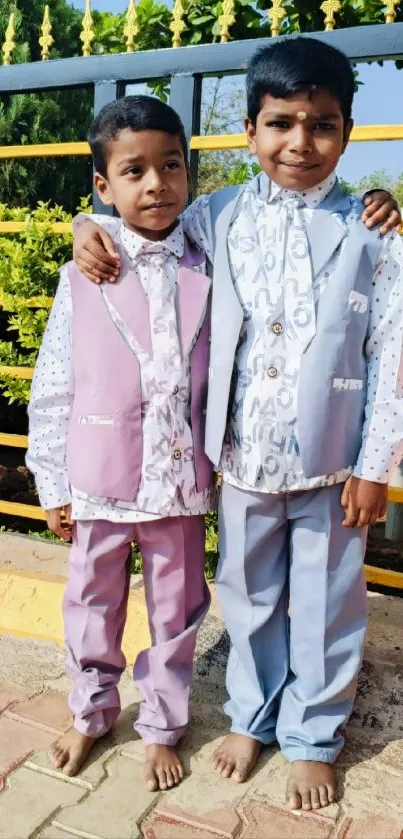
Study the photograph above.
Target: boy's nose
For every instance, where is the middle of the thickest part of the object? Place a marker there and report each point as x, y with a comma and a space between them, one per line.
301, 140
155, 182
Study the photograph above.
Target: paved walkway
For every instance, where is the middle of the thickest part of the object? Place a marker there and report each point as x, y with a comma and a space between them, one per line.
108, 800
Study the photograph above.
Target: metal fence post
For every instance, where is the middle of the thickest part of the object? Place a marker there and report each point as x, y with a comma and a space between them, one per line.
104, 93
185, 99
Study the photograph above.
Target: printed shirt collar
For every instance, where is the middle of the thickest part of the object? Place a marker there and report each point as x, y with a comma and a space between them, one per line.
311, 197
135, 245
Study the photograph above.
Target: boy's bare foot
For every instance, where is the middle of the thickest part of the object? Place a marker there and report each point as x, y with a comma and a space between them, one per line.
311, 785
162, 769
236, 757
70, 751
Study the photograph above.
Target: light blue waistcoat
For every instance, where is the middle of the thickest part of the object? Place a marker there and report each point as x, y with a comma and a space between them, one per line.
333, 376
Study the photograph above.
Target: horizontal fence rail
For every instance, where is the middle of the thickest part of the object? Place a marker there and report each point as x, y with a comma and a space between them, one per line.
379, 43
205, 142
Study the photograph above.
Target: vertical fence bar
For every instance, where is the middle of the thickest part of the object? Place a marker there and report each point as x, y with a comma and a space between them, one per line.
185, 99
104, 93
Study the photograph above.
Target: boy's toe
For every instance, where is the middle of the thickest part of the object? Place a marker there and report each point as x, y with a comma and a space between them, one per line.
228, 769
323, 796
162, 779
242, 771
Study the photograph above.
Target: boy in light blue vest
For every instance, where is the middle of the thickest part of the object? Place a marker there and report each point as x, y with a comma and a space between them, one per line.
304, 417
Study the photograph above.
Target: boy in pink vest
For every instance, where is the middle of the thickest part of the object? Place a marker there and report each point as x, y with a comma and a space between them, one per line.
116, 440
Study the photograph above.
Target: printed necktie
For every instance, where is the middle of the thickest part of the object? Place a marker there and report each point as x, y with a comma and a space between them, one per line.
163, 321
299, 305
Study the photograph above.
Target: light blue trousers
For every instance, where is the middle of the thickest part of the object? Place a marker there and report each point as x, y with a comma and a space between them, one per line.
292, 591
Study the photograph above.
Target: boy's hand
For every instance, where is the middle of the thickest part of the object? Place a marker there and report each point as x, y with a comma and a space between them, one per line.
95, 254
364, 502
381, 207
63, 529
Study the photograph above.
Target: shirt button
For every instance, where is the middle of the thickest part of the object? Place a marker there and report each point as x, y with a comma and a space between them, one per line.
177, 454
272, 372
277, 328
175, 390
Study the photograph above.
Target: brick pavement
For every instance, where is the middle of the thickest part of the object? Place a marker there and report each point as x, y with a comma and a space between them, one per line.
108, 800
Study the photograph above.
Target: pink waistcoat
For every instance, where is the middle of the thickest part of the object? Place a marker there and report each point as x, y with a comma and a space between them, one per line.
104, 444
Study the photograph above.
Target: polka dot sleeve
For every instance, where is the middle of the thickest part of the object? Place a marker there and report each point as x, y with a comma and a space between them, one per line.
110, 224
382, 440
50, 403
197, 225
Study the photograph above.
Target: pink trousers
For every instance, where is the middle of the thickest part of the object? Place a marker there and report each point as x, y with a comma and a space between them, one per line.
95, 607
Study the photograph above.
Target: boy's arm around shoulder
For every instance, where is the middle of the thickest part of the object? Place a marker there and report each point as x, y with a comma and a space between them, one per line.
50, 403
381, 208
94, 250
382, 435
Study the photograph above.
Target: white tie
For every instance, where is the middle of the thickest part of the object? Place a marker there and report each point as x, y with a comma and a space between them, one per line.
299, 305
164, 330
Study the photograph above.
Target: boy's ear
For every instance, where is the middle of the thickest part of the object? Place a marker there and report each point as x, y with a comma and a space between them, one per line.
102, 188
347, 131
250, 130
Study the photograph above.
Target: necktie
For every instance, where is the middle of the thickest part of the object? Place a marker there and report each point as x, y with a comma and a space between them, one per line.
164, 330
299, 305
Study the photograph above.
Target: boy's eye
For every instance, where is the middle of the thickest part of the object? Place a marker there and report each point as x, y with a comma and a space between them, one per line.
278, 123
172, 164
135, 170
325, 126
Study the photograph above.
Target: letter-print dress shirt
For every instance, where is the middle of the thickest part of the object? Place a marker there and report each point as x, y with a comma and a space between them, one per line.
167, 486
263, 426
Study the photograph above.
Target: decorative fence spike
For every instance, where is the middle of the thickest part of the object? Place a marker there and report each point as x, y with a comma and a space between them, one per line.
131, 28
226, 20
276, 15
87, 35
177, 24
390, 10
9, 43
329, 9
46, 39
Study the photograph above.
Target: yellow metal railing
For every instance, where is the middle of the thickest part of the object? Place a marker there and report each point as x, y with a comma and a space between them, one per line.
207, 142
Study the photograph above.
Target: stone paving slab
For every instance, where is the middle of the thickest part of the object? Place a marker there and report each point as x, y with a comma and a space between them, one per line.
18, 741
25, 805
156, 827
115, 808
9, 697
378, 827
52, 832
48, 712
92, 773
263, 821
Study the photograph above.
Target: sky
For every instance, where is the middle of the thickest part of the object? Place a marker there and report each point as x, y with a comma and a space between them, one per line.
376, 102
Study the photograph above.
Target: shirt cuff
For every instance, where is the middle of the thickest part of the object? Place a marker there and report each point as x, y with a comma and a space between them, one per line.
376, 462
53, 491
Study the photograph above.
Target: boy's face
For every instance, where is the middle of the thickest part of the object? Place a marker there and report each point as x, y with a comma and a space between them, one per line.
147, 181
299, 140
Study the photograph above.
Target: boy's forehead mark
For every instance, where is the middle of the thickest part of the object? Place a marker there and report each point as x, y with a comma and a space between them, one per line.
301, 115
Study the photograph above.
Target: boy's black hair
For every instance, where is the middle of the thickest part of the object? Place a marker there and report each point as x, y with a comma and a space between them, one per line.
295, 65
139, 113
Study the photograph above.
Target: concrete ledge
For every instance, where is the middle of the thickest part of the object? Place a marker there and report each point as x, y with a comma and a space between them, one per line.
33, 575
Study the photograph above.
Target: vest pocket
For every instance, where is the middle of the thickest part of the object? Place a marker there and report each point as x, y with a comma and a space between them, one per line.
95, 419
